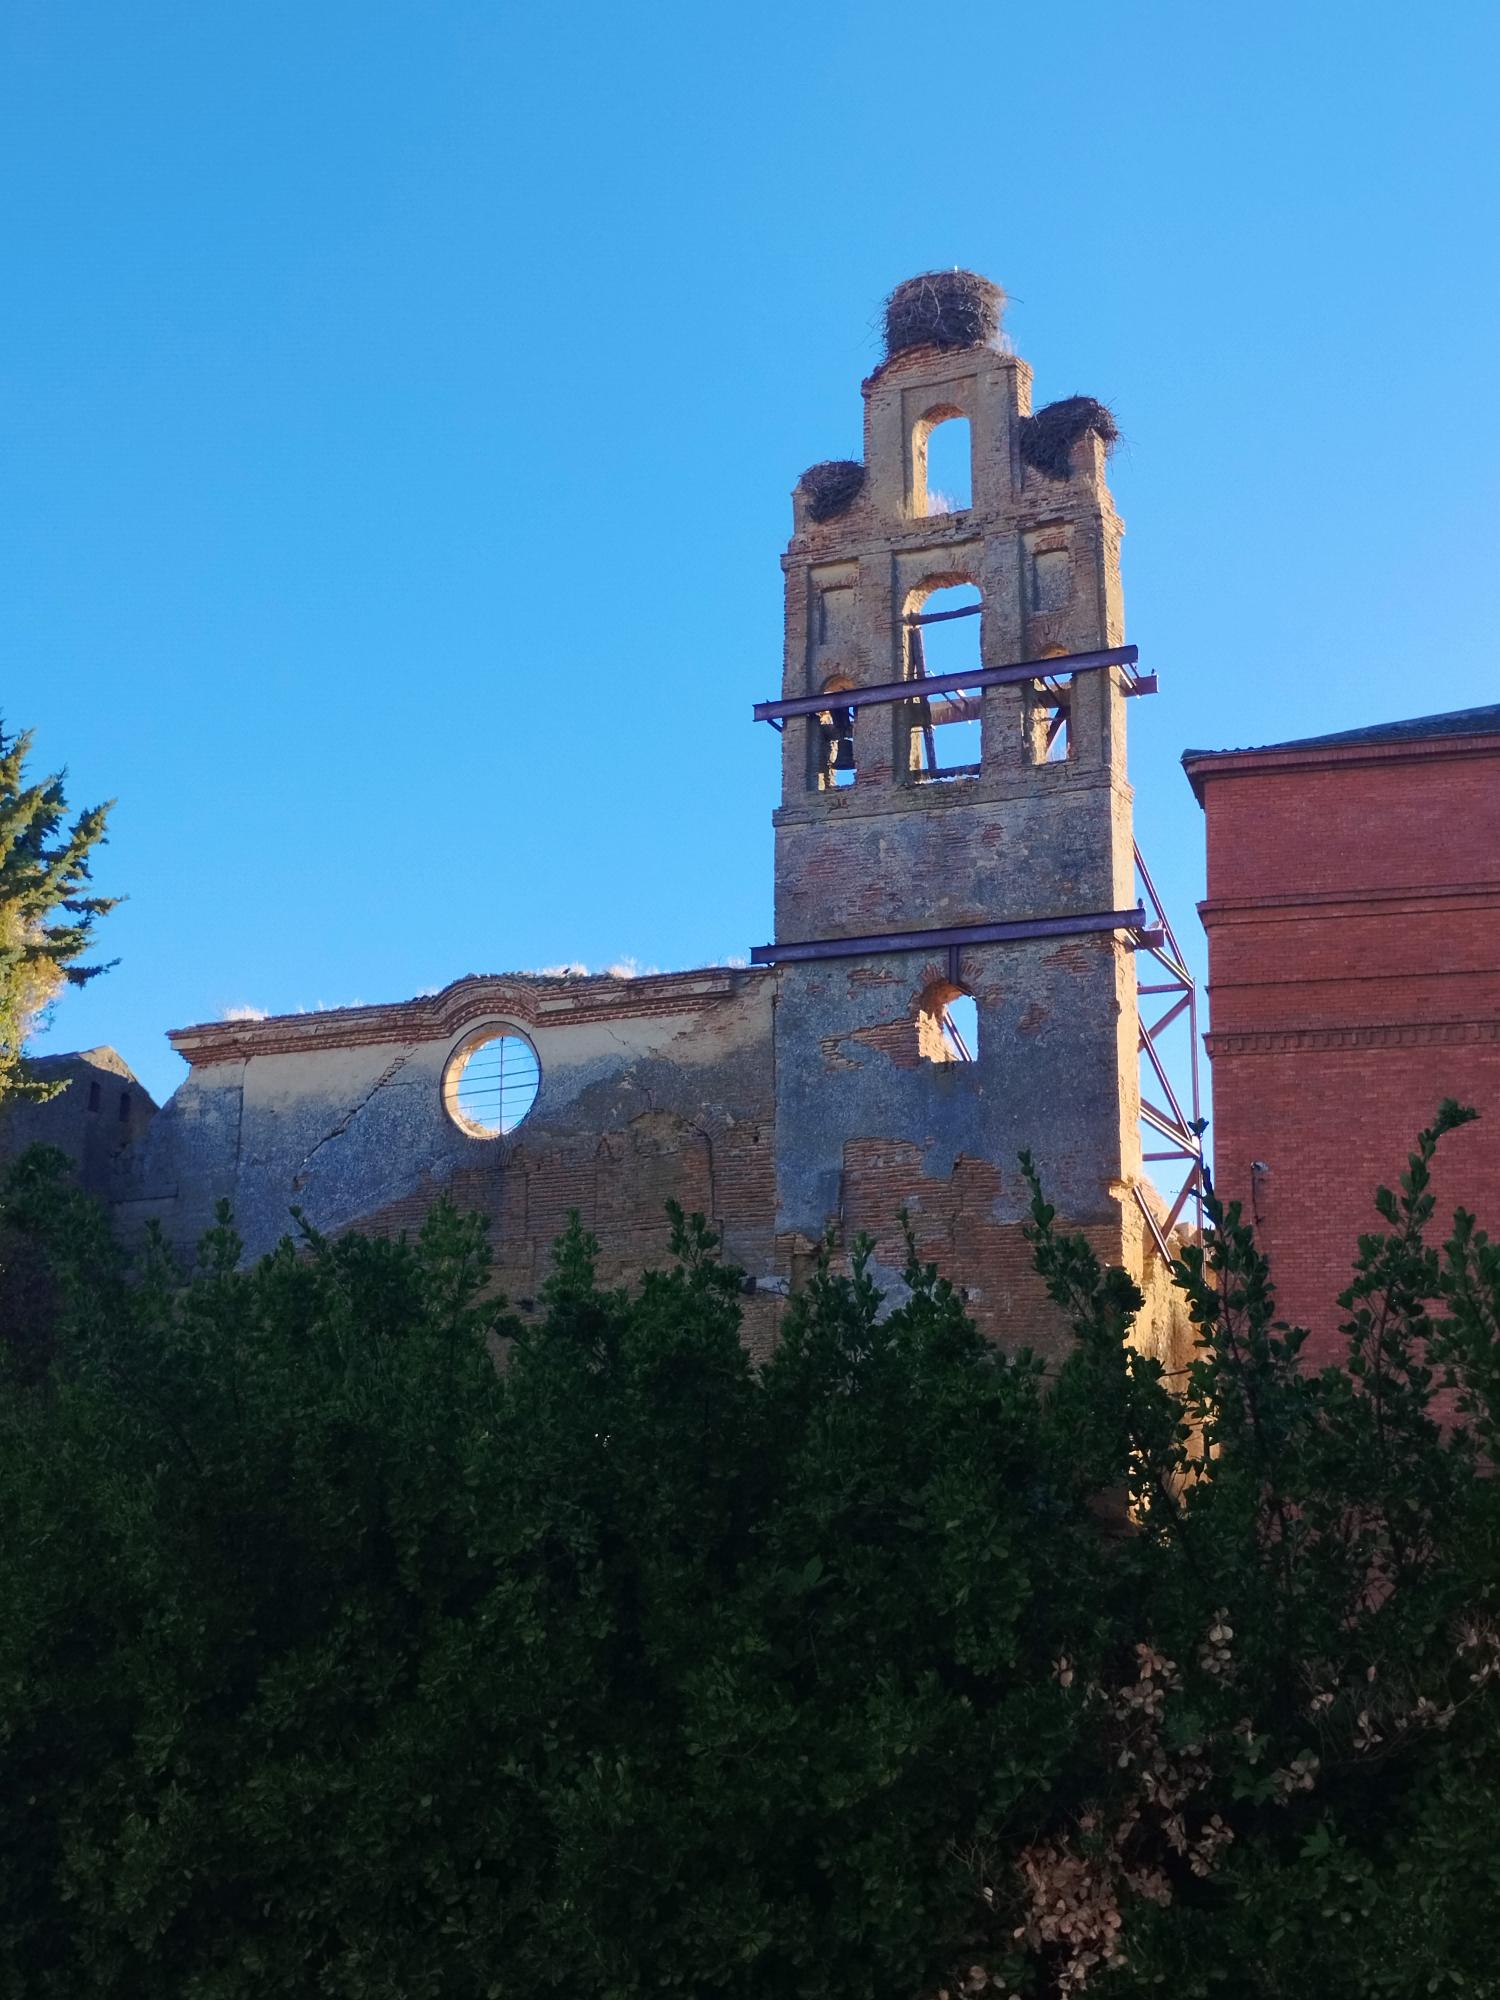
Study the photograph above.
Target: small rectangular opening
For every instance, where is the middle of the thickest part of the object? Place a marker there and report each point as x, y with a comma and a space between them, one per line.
1049, 706
950, 467
831, 747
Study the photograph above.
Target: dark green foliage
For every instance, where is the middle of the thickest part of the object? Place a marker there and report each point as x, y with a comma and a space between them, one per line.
336, 1660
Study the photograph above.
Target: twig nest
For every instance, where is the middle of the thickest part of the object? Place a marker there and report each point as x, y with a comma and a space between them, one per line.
832, 487
1048, 438
943, 309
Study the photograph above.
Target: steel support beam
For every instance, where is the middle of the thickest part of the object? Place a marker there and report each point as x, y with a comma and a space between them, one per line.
1065, 664
959, 935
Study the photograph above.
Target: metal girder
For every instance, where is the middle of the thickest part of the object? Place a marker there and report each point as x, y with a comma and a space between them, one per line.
1064, 664
956, 934
1179, 1127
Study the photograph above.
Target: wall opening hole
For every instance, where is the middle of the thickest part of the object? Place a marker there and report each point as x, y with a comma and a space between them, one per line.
950, 467
124, 1107
1049, 718
942, 637
833, 755
491, 1082
94, 1098
947, 1024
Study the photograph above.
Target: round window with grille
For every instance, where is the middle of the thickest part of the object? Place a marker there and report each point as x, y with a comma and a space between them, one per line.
491, 1082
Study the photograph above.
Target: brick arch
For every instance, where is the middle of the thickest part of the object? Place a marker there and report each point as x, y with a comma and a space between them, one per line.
939, 579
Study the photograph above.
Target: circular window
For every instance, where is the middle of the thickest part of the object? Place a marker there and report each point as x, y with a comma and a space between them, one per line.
491, 1082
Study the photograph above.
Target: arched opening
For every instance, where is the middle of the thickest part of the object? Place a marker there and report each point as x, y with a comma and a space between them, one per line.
832, 744
942, 463
943, 637
947, 1024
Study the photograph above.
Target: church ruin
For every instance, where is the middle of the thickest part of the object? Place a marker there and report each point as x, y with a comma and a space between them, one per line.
960, 944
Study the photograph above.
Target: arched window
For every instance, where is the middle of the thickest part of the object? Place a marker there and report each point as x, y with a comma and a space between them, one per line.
947, 1024
942, 637
942, 463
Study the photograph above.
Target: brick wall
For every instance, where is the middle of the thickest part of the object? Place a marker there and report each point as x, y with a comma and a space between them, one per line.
1353, 918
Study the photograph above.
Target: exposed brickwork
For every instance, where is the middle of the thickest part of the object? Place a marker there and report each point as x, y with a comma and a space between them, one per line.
872, 1114
1353, 918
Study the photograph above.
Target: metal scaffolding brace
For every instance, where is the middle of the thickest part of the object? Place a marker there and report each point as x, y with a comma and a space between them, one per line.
1177, 1134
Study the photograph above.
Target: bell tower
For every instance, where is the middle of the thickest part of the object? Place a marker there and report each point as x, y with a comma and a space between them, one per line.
956, 915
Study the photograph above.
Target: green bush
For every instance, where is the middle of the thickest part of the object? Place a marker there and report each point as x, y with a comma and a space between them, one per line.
337, 1660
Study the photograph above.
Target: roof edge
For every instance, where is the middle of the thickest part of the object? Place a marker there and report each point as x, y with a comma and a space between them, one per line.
1351, 747
527, 997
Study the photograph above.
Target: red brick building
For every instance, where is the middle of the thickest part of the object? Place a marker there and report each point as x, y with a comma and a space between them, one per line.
1353, 919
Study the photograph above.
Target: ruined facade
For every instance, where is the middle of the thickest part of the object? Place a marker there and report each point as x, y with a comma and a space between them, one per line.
953, 975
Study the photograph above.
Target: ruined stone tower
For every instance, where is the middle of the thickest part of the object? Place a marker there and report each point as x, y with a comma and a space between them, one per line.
922, 896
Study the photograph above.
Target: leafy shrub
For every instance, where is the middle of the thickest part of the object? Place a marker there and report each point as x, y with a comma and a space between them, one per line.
338, 1660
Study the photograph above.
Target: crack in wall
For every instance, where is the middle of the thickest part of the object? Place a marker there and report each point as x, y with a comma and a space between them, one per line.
337, 1131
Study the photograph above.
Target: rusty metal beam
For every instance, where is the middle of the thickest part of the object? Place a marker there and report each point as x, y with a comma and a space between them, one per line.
972, 677
1177, 1126
1150, 1034
942, 617
1152, 1224
956, 934
1191, 1186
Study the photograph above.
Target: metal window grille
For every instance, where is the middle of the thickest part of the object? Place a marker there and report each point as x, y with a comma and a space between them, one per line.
497, 1084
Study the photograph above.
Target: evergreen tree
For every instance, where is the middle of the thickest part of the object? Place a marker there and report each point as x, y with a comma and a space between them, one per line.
46, 911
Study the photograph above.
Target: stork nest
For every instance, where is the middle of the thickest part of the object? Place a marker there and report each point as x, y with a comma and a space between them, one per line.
943, 309
1048, 438
833, 487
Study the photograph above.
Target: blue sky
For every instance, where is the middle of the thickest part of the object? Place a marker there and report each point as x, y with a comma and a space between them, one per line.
402, 402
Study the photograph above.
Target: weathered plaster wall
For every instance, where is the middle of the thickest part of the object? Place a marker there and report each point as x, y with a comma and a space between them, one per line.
651, 1089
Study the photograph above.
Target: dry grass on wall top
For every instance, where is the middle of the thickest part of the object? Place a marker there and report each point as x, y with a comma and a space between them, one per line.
832, 487
943, 309
1048, 438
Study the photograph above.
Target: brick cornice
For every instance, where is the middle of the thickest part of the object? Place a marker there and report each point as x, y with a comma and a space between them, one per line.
1201, 765
1379, 1035
1326, 906
531, 999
